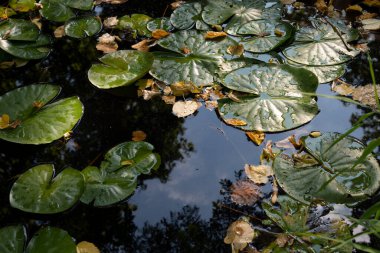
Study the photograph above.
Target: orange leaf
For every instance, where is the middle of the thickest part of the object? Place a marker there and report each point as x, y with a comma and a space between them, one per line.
214, 35
236, 122
138, 135
87, 247
38, 104
256, 136
159, 34
142, 45
236, 50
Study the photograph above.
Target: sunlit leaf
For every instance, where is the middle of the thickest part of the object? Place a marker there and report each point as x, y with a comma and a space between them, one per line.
185, 108
87, 247
187, 16
63, 10
160, 24
258, 174
256, 136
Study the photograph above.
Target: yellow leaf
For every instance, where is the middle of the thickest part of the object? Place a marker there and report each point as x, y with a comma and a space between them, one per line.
372, 3
315, 134
170, 100
4, 121
235, 122
215, 35
144, 83
355, 7
22, 5
185, 108
342, 88
159, 34
236, 50
6, 12
127, 162
258, 174
256, 136
138, 135
87, 247
184, 88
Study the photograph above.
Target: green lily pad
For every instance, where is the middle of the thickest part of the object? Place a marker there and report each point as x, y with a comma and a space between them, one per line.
320, 46
12, 239
267, 35
22, 5
18, 29
52, 240
117, 177
62, 10
38, 122
277, 102
38, 191
83, 27
136, 22
160, 24
28, 50
120, 68
6, 12
193, 58
188, 15
331, 177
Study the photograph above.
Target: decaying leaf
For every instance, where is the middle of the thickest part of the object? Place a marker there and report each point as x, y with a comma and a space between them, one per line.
170, 100
143, 45
321, 6
362, 47
185, 50
185, 108
354, 8
342, 88
366, 95
211, 105
256, 136
59, 32
176, 4
138, 135
6, 12
367, 15
372, 3
371, 24
315, 134
296, 144
184, 88
237, 50
110, 22
87, 247
4, 121
144, 83
159, 34
258, 174
287, 1
37, 22
282, 240
148, 94
267, 153
97, 2
107, 43
38, 104
235, 122
213, 35
233, 97
245, 192
239, 234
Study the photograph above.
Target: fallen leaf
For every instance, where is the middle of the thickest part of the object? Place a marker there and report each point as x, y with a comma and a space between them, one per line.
176, 4
144, 83
4, 121
143, 45
267, 153
97, 2
371, 24
315, 134
185, 108
185, 50
87, 247
138, 135
237, 50
354, 8
167, 90
287, 1
321, 6
110, 22
258, 174
233, 97
366, 95
184, 88
107, 43
211, 105
148, 94
239, 234
215, 35
37, 22
159, 34
170, 100
367, 15
341, 87
235, 122
245, 192
127, 162
38, 104
362, 47
256, 136
59, 32
372, 3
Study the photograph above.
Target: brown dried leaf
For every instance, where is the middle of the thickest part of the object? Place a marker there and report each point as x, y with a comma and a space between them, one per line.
185, 50
185, 108
235, 122
362, 47
217, 28
367, 15
211, 105
366, 95
148, 94
176, 4
170, 100
245, 192
159, 34
237, 50
282, 240
87, 247
293, 141
321, 6
214, 35
107, 43
342, 88
233, 97
287, 1
59, 32
138, 135
258, 174
167, 90
143, 45
183, 88
110, 22
256, 136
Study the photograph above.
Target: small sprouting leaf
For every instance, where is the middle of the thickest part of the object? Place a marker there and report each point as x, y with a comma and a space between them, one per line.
185, 108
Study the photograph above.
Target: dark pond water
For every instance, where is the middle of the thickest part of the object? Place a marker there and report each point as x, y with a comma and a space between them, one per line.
176, 209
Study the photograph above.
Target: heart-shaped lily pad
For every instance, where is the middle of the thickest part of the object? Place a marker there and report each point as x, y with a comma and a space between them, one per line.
62, 10
195, 60
117, 177
30, 50
267, 35
136, 22
160, 24
332, 176
18, 29
278, 101
12, 239
52, 240
83, 27
320, 46
38, 191
188, 15
34, 120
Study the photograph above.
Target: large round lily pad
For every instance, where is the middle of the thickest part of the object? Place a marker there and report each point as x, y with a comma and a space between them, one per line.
62, 10
193, 58
267, 35
18, 29
36, 121
52, 240
120, 68
277, 101
83, 27
188, 15
29, 50
38, 191
332, 176
12, 239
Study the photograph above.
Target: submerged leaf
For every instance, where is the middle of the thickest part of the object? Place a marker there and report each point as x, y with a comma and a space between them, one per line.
245, 192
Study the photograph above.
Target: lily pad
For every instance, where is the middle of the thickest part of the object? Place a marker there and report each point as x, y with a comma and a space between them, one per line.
136, 22
332, 176
52, 240
193, 59
12, 239
62, 10
120, 68
38, 122
277, 102
18, 29
188, 15
320, 46
83, 27
267, 35
38, 191
22, 5
160, 24
117, 177
29, 50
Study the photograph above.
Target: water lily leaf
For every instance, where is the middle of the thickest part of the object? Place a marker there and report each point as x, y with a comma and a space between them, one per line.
5, 12
39, 191
195, 59
12, 239
84, 5
83, 27
188, 15
267, 35
331, 178
56, 10
28, 50
52, 240
291, 216
120, 68
241, 11
42, 124
319, 47
160, 24
277, 102
22, 5
18, 29
136, 22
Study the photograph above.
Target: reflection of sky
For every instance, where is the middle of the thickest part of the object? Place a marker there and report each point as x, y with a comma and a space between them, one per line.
219, 151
